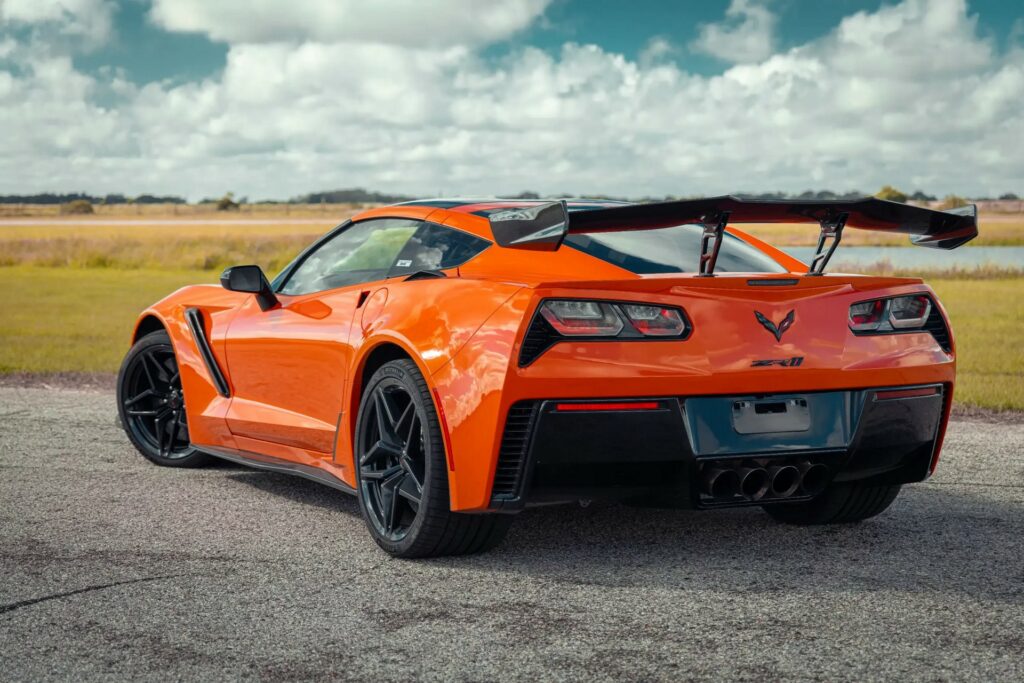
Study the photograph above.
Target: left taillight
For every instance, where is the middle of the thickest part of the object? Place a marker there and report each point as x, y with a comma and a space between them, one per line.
561, 319
588, 318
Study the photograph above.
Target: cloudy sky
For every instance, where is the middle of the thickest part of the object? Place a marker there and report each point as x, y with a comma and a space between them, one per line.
274, 98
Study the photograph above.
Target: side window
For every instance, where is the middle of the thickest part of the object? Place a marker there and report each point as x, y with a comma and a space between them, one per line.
435, 247
363, 252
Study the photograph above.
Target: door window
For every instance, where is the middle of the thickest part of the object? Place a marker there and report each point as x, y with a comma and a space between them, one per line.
363, 252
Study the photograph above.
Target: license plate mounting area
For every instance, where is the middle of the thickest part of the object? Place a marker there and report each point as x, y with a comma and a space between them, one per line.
771, 415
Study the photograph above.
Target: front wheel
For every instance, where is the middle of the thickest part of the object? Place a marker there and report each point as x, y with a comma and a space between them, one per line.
151, 404
839, 504
403, 476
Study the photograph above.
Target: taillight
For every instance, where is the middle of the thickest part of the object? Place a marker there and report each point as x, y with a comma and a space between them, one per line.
867, 315
909, 312
654, 321
582, 318
589, 318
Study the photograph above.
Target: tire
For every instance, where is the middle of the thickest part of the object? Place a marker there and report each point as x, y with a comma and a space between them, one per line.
402, 473
151, 404
839, 504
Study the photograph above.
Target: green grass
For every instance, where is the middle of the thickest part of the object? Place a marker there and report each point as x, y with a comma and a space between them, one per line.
988, 323
80, 320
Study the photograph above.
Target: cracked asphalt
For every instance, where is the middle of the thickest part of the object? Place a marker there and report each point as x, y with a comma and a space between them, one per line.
113, 568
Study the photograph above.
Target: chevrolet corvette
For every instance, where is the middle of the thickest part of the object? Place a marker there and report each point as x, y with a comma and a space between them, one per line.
450, 362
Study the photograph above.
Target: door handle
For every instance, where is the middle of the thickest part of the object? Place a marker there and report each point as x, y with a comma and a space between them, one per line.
362, 298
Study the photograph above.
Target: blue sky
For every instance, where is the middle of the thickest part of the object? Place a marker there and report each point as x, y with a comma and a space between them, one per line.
271, 99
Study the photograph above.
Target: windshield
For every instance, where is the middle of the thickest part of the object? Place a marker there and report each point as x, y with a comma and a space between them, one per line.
670, 250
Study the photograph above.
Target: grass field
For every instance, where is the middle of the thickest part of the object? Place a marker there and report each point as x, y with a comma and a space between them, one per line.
80, 319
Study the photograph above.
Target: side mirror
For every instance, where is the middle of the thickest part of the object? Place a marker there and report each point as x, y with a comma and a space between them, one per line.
252, 280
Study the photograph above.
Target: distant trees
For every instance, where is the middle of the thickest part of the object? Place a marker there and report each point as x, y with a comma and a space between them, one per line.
1009, 197
227, 202
952, 201
56, 198
356, 195
76, 206
891, 194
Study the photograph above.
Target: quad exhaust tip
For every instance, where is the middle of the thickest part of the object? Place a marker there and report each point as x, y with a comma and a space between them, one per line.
721, 483
813, 478
753, 483
784, 480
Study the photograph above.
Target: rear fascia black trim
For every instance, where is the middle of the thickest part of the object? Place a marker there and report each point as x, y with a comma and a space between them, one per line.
271, 464
195, 325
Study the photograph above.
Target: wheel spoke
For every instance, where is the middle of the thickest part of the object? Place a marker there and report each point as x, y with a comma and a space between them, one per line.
411, 490
405, 424
381, 475
389, 489
385, 417
135, 399
145, 413
174, 435
376, 451
143, 360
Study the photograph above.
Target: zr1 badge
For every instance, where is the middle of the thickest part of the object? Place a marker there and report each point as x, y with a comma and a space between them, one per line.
794, 362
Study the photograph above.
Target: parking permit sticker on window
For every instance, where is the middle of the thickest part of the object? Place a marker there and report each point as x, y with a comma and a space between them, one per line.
404, 263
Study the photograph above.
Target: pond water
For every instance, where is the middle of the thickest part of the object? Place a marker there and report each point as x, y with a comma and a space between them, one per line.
918, 258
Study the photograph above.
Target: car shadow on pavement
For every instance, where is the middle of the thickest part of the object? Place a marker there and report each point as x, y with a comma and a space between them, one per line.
298, 490
933, 538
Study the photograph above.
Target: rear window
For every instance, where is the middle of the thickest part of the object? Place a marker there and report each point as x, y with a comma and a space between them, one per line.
670, 250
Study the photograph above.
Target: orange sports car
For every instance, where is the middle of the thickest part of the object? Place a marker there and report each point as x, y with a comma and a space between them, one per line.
450, 362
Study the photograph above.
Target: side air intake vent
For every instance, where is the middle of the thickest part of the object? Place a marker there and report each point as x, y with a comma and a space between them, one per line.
937, 327
512, 457
539, 338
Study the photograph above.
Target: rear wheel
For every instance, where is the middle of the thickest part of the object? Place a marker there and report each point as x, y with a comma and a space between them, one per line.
839, 504
403, 476
151, 404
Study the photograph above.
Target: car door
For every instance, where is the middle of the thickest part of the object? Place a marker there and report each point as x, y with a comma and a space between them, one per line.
288, 365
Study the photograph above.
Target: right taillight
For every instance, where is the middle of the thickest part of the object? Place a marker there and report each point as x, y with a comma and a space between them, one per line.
907, 313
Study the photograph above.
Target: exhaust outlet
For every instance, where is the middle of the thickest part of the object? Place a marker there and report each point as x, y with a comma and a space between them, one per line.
783, 480
753, 482
719, 483
813, 478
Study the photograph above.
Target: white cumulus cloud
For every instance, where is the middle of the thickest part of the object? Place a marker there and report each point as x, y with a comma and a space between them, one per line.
88, 20
912, 94
747, 34
400, 22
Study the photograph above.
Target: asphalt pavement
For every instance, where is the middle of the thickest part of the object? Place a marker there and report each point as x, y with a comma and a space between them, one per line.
111, 567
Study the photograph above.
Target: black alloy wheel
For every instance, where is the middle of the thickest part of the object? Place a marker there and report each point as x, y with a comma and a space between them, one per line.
151, 403
392, 464
402, 472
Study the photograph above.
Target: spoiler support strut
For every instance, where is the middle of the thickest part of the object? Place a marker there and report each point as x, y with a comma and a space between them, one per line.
711, 242
831, 232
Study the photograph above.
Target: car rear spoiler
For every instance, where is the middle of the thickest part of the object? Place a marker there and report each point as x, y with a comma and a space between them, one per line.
545, 226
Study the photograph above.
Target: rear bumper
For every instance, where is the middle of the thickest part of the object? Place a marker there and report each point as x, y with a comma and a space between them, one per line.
562, 450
